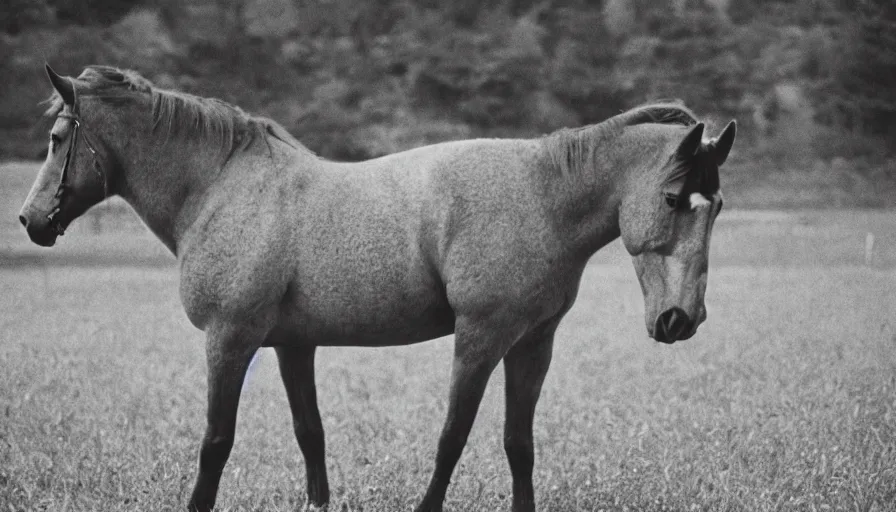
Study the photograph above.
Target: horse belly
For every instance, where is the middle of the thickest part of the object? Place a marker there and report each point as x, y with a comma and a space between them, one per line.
364, 264
369, 311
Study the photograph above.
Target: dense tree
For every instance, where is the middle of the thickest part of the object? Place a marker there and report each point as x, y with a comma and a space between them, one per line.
863, 82
356, 79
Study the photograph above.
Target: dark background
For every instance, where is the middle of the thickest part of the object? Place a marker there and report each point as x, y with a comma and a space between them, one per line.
812, 83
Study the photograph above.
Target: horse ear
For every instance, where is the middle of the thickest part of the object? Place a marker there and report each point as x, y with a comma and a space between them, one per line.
722, 145
63, 86
691, 142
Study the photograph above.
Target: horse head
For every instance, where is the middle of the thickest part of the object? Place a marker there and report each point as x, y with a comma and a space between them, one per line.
73, 177
665, 223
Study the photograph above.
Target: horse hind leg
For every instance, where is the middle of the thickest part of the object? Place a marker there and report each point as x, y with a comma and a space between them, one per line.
525, 367
297, 372
229, 349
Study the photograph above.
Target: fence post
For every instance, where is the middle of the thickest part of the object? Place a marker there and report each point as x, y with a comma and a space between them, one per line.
869, 248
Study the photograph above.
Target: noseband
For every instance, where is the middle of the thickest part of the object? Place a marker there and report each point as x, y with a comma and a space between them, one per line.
75, 116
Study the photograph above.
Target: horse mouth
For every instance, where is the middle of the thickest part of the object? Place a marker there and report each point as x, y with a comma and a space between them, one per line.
56, 228
43, 229
668, 340
46, 237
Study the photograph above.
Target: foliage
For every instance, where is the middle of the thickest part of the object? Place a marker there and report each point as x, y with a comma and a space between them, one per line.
861, 80
358, 80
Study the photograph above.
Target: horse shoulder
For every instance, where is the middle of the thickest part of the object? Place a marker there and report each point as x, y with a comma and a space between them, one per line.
497, 245
236, 258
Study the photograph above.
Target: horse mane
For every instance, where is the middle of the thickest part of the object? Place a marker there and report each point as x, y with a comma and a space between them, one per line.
180, 113
572, 149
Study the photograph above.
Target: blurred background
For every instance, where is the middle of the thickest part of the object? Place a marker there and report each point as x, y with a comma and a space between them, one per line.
785, 401
812, 83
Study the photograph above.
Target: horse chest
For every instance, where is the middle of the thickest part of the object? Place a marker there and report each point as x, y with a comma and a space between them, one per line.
229, 284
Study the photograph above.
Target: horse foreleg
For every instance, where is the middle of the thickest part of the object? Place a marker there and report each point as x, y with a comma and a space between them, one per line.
525, 367
229, 350
476, 354
297, 371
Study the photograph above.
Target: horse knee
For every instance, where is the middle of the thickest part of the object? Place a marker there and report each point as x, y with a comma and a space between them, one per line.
311, 439
306, 434
214, 453
520, 452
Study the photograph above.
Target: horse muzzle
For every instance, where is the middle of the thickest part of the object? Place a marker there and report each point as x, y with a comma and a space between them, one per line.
42, 230
673, 325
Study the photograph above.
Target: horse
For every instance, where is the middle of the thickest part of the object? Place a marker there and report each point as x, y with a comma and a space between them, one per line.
486, 239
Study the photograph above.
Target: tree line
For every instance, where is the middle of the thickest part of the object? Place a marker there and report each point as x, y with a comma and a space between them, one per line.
806, 79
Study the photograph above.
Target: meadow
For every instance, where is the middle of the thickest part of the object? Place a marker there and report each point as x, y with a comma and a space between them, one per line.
784, 400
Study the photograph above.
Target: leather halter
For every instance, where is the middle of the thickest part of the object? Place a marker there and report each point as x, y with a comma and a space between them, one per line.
75, 116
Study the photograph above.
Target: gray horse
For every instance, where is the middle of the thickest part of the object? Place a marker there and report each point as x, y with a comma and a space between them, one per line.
486, 239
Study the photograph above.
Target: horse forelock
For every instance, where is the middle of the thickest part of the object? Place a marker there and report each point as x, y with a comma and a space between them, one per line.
698, 174
701, 172
205, 120
706, 171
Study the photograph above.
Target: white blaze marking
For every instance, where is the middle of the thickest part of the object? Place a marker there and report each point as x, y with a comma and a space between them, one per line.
698, 200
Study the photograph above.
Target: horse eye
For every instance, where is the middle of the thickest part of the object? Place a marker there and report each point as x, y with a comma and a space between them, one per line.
671, 200
54, 141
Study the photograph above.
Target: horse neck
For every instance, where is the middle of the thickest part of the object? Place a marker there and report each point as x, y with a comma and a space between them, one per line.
589, 184
164, 179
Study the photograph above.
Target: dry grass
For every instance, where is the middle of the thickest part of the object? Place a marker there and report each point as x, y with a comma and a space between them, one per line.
785, 400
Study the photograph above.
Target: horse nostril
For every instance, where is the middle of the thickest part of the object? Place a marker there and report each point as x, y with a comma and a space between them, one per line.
23, 220
674, 323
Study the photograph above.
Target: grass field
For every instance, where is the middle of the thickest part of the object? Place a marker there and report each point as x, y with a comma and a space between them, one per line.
785, 400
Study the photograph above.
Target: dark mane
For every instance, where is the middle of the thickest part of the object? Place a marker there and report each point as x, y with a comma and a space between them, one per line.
179, 113
573, 148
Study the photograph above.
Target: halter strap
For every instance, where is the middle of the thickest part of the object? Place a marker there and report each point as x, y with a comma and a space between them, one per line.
75, 116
